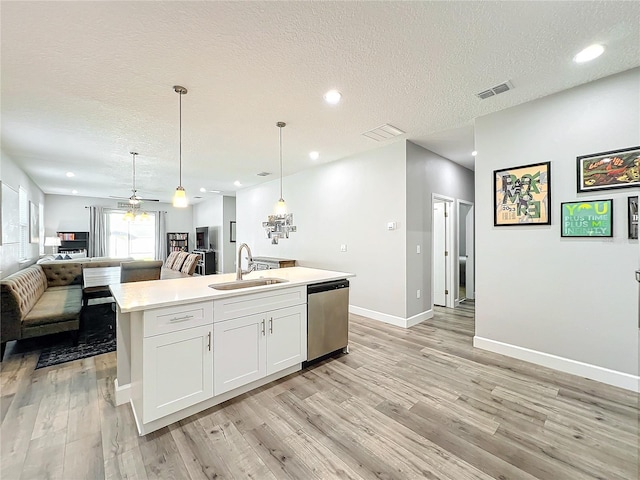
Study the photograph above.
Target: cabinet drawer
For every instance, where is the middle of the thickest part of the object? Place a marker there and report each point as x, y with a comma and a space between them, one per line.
180, 317
240, 306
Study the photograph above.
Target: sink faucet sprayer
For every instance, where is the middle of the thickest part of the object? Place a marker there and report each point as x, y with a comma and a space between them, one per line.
251, 265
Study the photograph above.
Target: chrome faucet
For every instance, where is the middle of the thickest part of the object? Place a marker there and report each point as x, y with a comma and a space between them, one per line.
251, 265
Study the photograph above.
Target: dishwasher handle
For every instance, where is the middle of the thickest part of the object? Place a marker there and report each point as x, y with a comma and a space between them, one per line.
327, 286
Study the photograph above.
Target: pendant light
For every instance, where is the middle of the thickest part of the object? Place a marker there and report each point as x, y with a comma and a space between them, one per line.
134, 213
281, 207
280, 224
180, 196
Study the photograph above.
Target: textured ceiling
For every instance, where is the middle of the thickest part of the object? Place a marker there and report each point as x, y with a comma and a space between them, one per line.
83, 83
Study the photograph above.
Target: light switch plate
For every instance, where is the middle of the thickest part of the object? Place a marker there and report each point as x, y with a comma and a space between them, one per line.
343, 248
417, 248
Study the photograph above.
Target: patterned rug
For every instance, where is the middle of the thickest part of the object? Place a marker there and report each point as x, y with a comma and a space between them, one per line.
97, 336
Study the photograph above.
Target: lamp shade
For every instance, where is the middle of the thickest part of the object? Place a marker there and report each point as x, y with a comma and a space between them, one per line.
180, 198
52, 242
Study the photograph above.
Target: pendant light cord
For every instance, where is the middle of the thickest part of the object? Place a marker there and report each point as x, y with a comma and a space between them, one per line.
180, 107
280, 163
134, 172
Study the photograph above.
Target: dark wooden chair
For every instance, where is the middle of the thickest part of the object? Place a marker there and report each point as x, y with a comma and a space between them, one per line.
140, 270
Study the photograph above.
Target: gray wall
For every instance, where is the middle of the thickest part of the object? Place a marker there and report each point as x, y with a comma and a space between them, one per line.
429, 173
574, 298
348, 202
14, 176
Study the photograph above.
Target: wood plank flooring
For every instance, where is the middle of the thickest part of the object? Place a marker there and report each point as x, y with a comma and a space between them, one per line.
420, 403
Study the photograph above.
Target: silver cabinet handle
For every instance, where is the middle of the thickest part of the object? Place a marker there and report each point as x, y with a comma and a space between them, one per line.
181, 319
271, 325
263, 326
209, 341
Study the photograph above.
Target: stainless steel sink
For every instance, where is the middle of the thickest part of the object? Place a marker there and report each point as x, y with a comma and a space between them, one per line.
254, 282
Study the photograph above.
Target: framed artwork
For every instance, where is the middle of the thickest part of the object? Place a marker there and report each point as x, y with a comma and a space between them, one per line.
232, 234
607, 170
590, 218
632, 212
522, 195
34, 223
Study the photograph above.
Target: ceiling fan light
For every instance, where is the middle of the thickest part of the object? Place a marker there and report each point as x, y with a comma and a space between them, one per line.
129, 216
144, 216
180, 198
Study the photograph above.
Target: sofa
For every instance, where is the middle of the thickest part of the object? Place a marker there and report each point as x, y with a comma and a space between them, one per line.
45, 298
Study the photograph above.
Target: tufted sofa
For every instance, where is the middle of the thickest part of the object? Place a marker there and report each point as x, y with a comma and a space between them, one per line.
44, 298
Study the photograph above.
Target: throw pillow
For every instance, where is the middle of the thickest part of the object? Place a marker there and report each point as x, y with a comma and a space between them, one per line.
59, 257
67, 257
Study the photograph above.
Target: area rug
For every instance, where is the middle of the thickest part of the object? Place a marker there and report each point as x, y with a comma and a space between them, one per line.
97, 335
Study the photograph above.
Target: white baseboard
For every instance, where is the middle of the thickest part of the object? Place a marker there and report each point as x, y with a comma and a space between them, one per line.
123, 393
392, 319
593, 372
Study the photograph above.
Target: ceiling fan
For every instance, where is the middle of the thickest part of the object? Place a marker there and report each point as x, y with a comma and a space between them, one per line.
135, 199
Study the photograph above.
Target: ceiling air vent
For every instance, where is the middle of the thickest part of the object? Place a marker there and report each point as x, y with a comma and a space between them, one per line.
264, 174
383, 132
498, 89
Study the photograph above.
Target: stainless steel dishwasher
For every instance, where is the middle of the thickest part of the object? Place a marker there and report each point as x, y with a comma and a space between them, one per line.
327, 318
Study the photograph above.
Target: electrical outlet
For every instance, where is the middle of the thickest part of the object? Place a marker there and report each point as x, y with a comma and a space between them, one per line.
417, 248
418, 294
343, 248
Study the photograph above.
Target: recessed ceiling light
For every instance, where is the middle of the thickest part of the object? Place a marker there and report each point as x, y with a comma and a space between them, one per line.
474, 153
74, 192
71, 174
202, 189
589, 53
237, 183
314, 155
333, 97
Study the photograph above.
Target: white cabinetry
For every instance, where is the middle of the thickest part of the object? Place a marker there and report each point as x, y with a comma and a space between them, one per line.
178, 371
253, 346
173, 368
239, 352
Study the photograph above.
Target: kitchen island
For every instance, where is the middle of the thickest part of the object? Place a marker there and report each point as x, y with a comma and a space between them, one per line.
183, 346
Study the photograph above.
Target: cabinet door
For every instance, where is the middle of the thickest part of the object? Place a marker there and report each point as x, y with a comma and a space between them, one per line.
239, 352
286, 337
177, 371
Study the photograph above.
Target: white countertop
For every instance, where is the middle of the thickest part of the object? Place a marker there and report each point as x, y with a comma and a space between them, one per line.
136, 296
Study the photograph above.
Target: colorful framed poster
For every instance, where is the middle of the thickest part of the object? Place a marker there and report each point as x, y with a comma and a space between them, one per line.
522, 195
590, 218
632, 212
607, 170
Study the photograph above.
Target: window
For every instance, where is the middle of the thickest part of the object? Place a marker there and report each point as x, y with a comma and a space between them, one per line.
23, 212
135, 239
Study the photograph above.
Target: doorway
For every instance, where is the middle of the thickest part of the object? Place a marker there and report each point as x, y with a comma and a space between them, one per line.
443, 292
466, 249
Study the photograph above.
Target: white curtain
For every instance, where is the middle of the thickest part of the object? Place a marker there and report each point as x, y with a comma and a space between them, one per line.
97, 232
161, 235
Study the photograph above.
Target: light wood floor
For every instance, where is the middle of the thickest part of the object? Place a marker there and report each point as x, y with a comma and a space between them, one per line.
417, 403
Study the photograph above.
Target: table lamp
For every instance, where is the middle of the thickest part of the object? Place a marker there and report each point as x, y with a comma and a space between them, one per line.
52, 242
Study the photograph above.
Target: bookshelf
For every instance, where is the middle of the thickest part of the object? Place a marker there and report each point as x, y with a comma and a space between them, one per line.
73, 241
177, 242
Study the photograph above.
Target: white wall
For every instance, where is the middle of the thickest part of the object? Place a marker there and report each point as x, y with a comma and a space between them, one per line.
210, 214
15, 177
572, 298
68, 213
429, 173
345, 202
228, 250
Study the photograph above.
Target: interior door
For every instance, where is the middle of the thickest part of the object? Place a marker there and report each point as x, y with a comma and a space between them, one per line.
470, 273
439, 248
